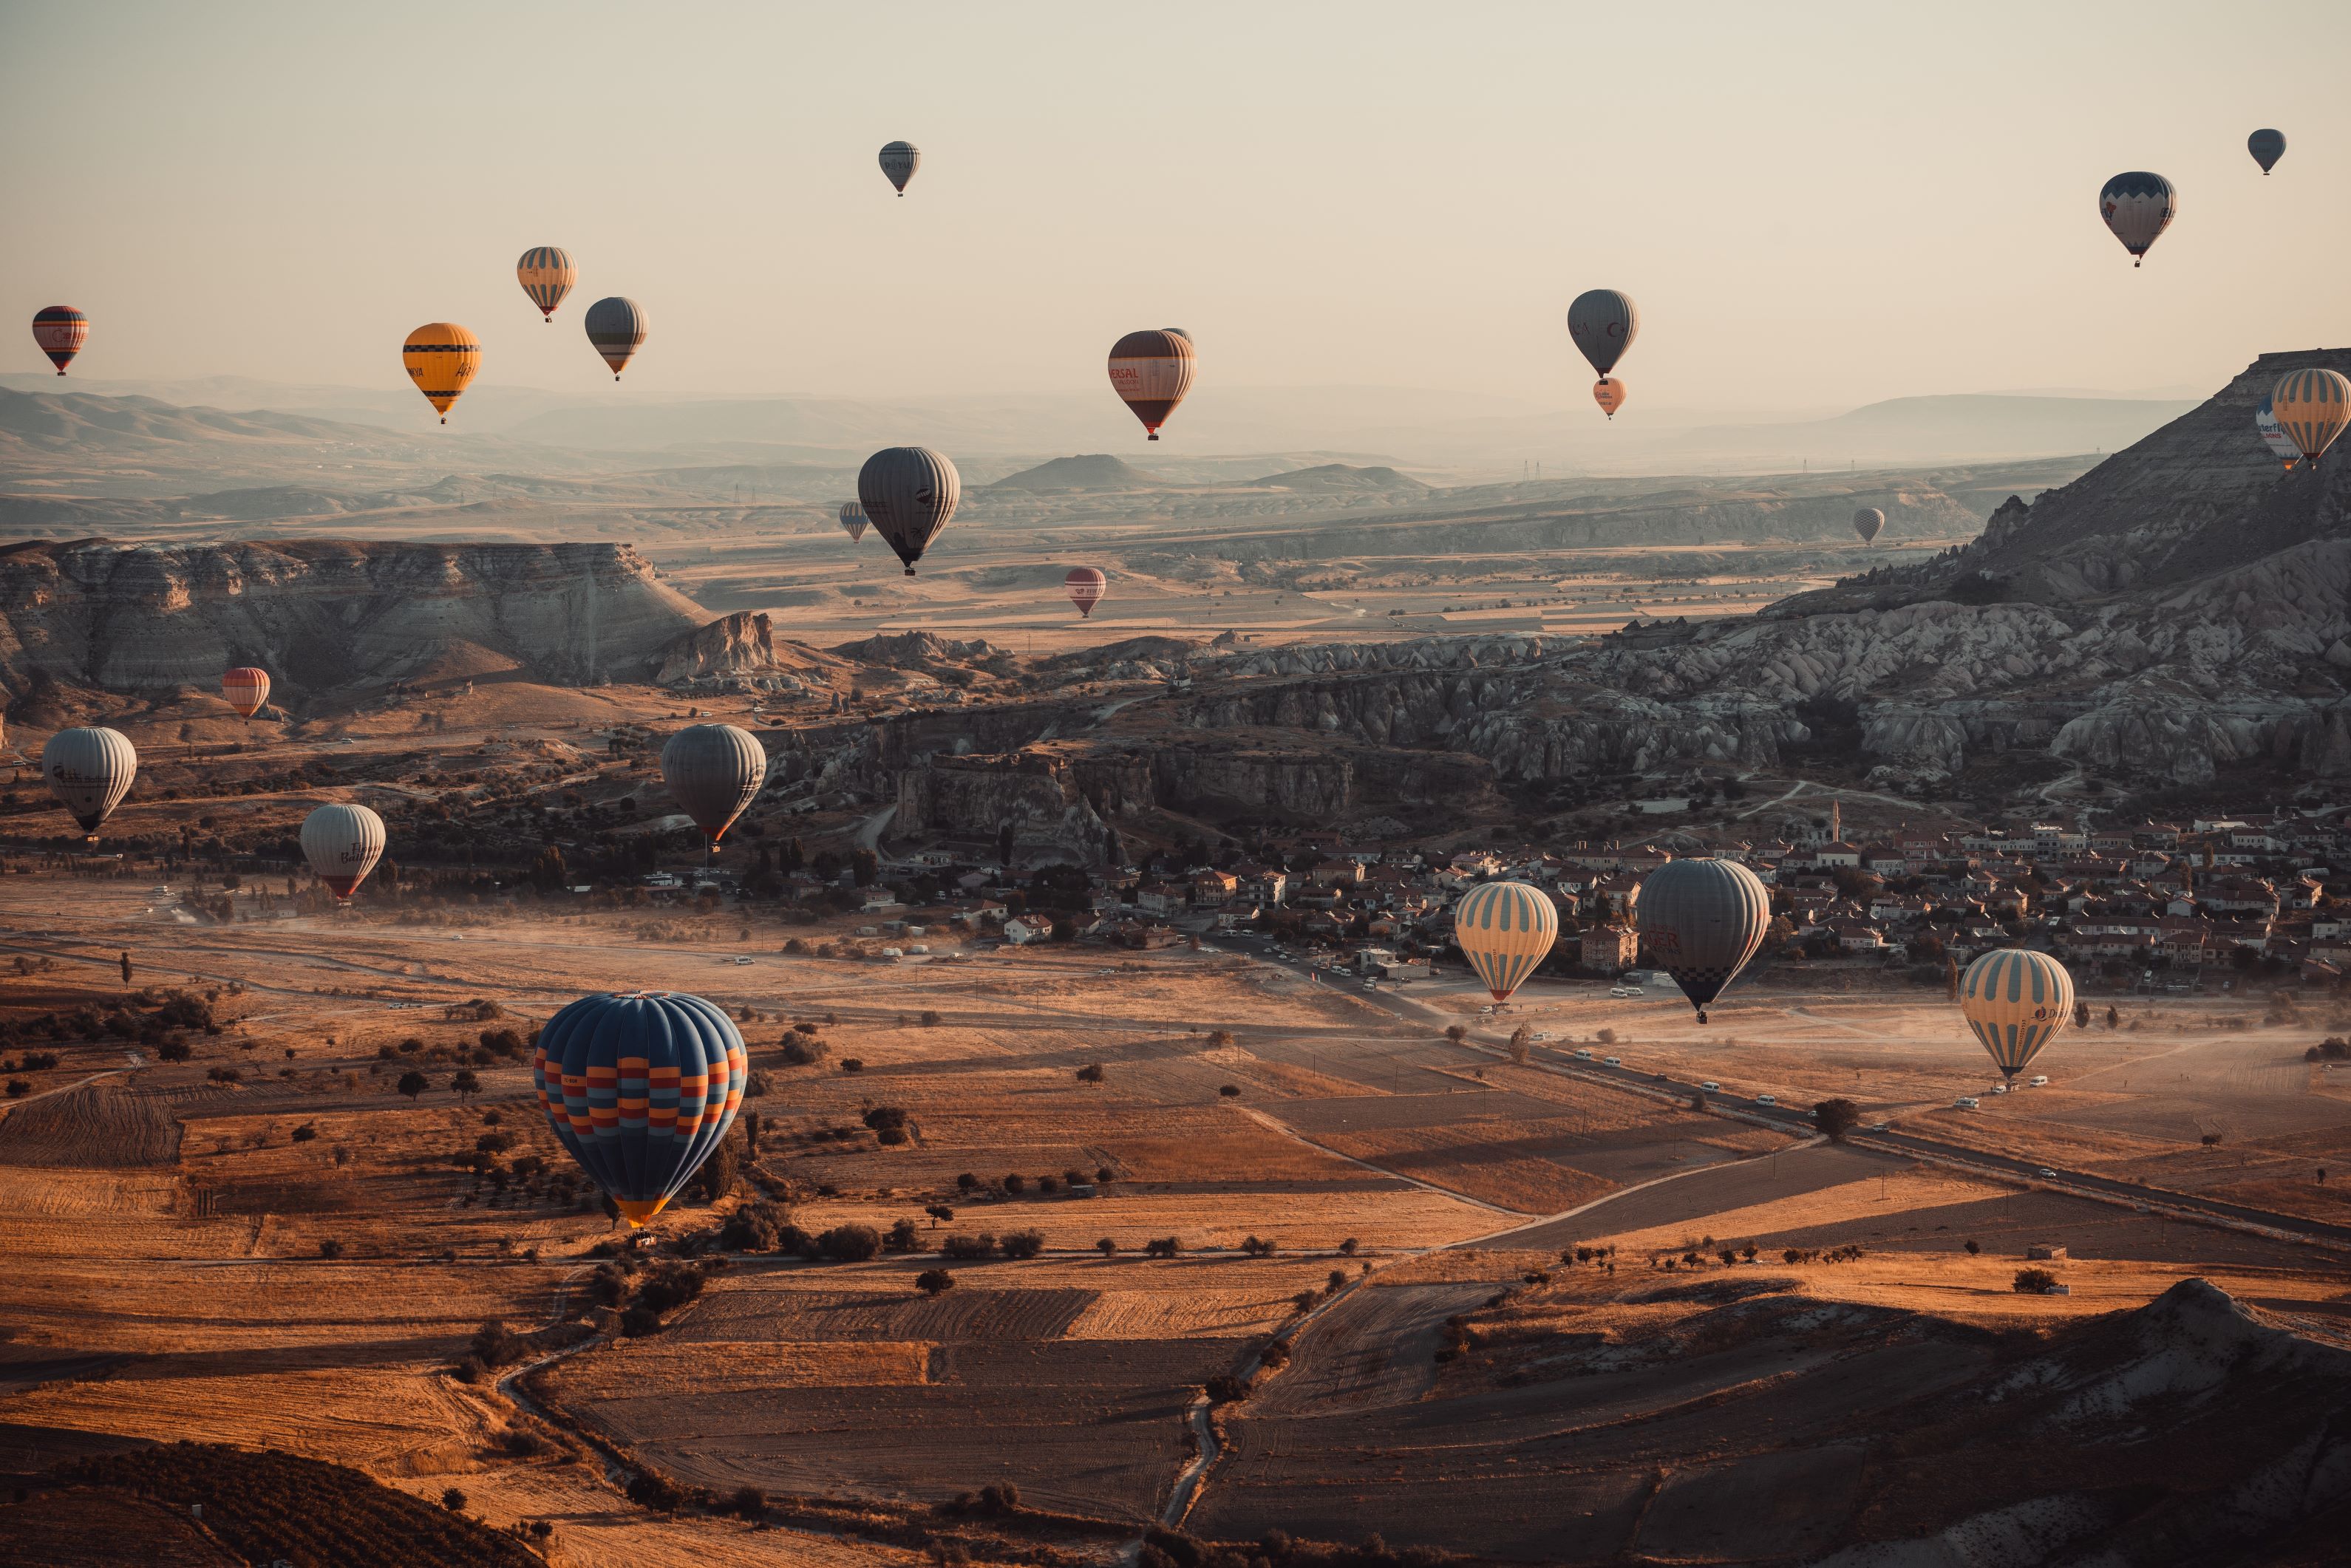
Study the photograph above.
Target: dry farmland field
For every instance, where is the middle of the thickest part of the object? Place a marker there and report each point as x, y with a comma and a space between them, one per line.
1443, 1296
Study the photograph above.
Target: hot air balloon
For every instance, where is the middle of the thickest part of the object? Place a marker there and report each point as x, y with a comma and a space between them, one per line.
342, 844
854, 521
1151, 371
899, 160
1505, 929
2016, 1002
245, 689
2311, 407
90, 770
442, 358
714, 770
1701, 920
1180, 332
615, 328
2267, 147
909, 493
2137, 206
639, 1087
1867, 522
2273, 435
547, 275
1609, 394
60, 330
1604, 324
1086, 587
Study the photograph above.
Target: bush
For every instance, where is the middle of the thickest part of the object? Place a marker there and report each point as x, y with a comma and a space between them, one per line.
1226, 1389
1048, 1185
654, 1492
934, 1281
330, 1248
930, 1017
850, 1244
1973, 1247
903, 1236
172, 1050
2033, 1281
1230, 1090
1163, 1247
968, 1249
1107, 1246
1023, 1244
804, 1050
1835, 1118
498, 1345
453, 1499
413, 1085
1092, 1073
1251, 1247
852, 1064
1456, 1033
748, 1502
1347, 1247
967, 1182
1015, 1184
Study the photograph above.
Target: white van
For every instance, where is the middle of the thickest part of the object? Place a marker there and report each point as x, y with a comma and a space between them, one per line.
1767, 1099
1964, 1102
2038, 1081
1711, 1087
1613, 1061
1999, 1088
1581, 1054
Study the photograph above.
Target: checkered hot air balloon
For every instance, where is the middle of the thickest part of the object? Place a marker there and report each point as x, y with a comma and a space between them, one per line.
639, 1087
1700, 921
1505, 929
2016, 1002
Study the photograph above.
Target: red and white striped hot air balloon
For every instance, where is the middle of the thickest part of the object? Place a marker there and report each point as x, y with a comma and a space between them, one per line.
1086, 587
1151, 372
60, 330
245, 689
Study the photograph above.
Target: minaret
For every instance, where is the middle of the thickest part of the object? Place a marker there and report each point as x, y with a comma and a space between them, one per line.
1836, 822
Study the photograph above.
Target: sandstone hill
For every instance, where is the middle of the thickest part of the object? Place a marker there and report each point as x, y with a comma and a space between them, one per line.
1095, 471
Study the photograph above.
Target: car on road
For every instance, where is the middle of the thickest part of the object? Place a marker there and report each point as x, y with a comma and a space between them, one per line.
1711, 1086
1965, 1103
1879, 1127
1613, 1061
159, 892
2045, 1171
744, 961
1619, 992
1767, 1099
1583, 1055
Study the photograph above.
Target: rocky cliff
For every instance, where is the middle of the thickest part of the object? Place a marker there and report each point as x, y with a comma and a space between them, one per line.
326, 613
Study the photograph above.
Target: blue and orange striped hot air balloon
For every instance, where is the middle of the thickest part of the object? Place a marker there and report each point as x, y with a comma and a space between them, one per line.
546, 275
1505, 929
639, 1087
2016, 1002
2312, 407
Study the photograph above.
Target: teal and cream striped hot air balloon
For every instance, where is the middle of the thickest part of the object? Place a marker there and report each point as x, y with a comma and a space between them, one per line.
2312, 407
1700, 921
1505, 929
2016, 1002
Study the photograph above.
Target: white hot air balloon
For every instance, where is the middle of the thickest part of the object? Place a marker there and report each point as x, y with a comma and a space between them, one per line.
342, 844
90, 770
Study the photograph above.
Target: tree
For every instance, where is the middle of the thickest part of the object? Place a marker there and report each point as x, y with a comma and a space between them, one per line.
1023, 1244
850, 1244
1092, 1073
1520, 1043
126, 967
939, 1212
934, 1281
454, 1501
2033, 1281
864, 868
466, 1084
2081, 1014
1004, 844
1230, 1090
1973, 1247
414, 1084
1108, 1246
2114, 1017
1836, 1118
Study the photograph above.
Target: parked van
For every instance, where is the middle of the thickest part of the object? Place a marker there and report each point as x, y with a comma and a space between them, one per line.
1711, 1086
2038, 1081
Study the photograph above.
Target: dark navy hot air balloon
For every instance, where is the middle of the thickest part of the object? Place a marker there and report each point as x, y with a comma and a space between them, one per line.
1700, 921
2267, 147
639, 1087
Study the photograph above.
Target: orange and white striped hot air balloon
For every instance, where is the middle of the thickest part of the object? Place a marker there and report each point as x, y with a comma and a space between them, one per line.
1151, 372
245, 689
441, 358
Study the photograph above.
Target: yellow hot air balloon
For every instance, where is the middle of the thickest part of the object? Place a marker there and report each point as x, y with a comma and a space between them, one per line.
2016, 1002
442, 358
2312, 407
1505, 929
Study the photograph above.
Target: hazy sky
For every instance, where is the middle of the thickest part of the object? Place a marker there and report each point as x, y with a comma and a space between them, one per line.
1812, 204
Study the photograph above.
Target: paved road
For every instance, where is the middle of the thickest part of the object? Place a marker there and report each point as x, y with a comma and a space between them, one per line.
1797, 1121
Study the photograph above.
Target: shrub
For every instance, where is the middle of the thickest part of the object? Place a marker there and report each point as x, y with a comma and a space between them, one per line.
1973, 1247
1023, 1244
1016, 1183
930, 1017
903, 1236
1230, 1090
172, 1050
654, 1492
494, 1345
967, 1182
1163, 1247
330, 1248
1107, 1246
852, 1064
881, 1118
1274, 1356
748, 1502
2033, 1281
1456, 1033
804, 1050
1226, 1389
968, 1249
934, 1281
413, 1085
1835, 1118
850, 1244
1092, 1073
1347, 1247
759, 1084
1049, 1185
453, 1499
1251, 1247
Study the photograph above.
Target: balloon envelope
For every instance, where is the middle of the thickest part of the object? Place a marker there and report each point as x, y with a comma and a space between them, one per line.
1867, 522
714, 770
60, 330
1700, 921
853, 520
1604, 324
899, 161
546, 275
1151, 372
1505, 929
2311, 407
1609, 394
441, 358
2137, 206
245, 689
2267, 147
342, 844
639, 1087
89, 771
1086, 586
909, 493
2015, 1001
615, 328
2273, 435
